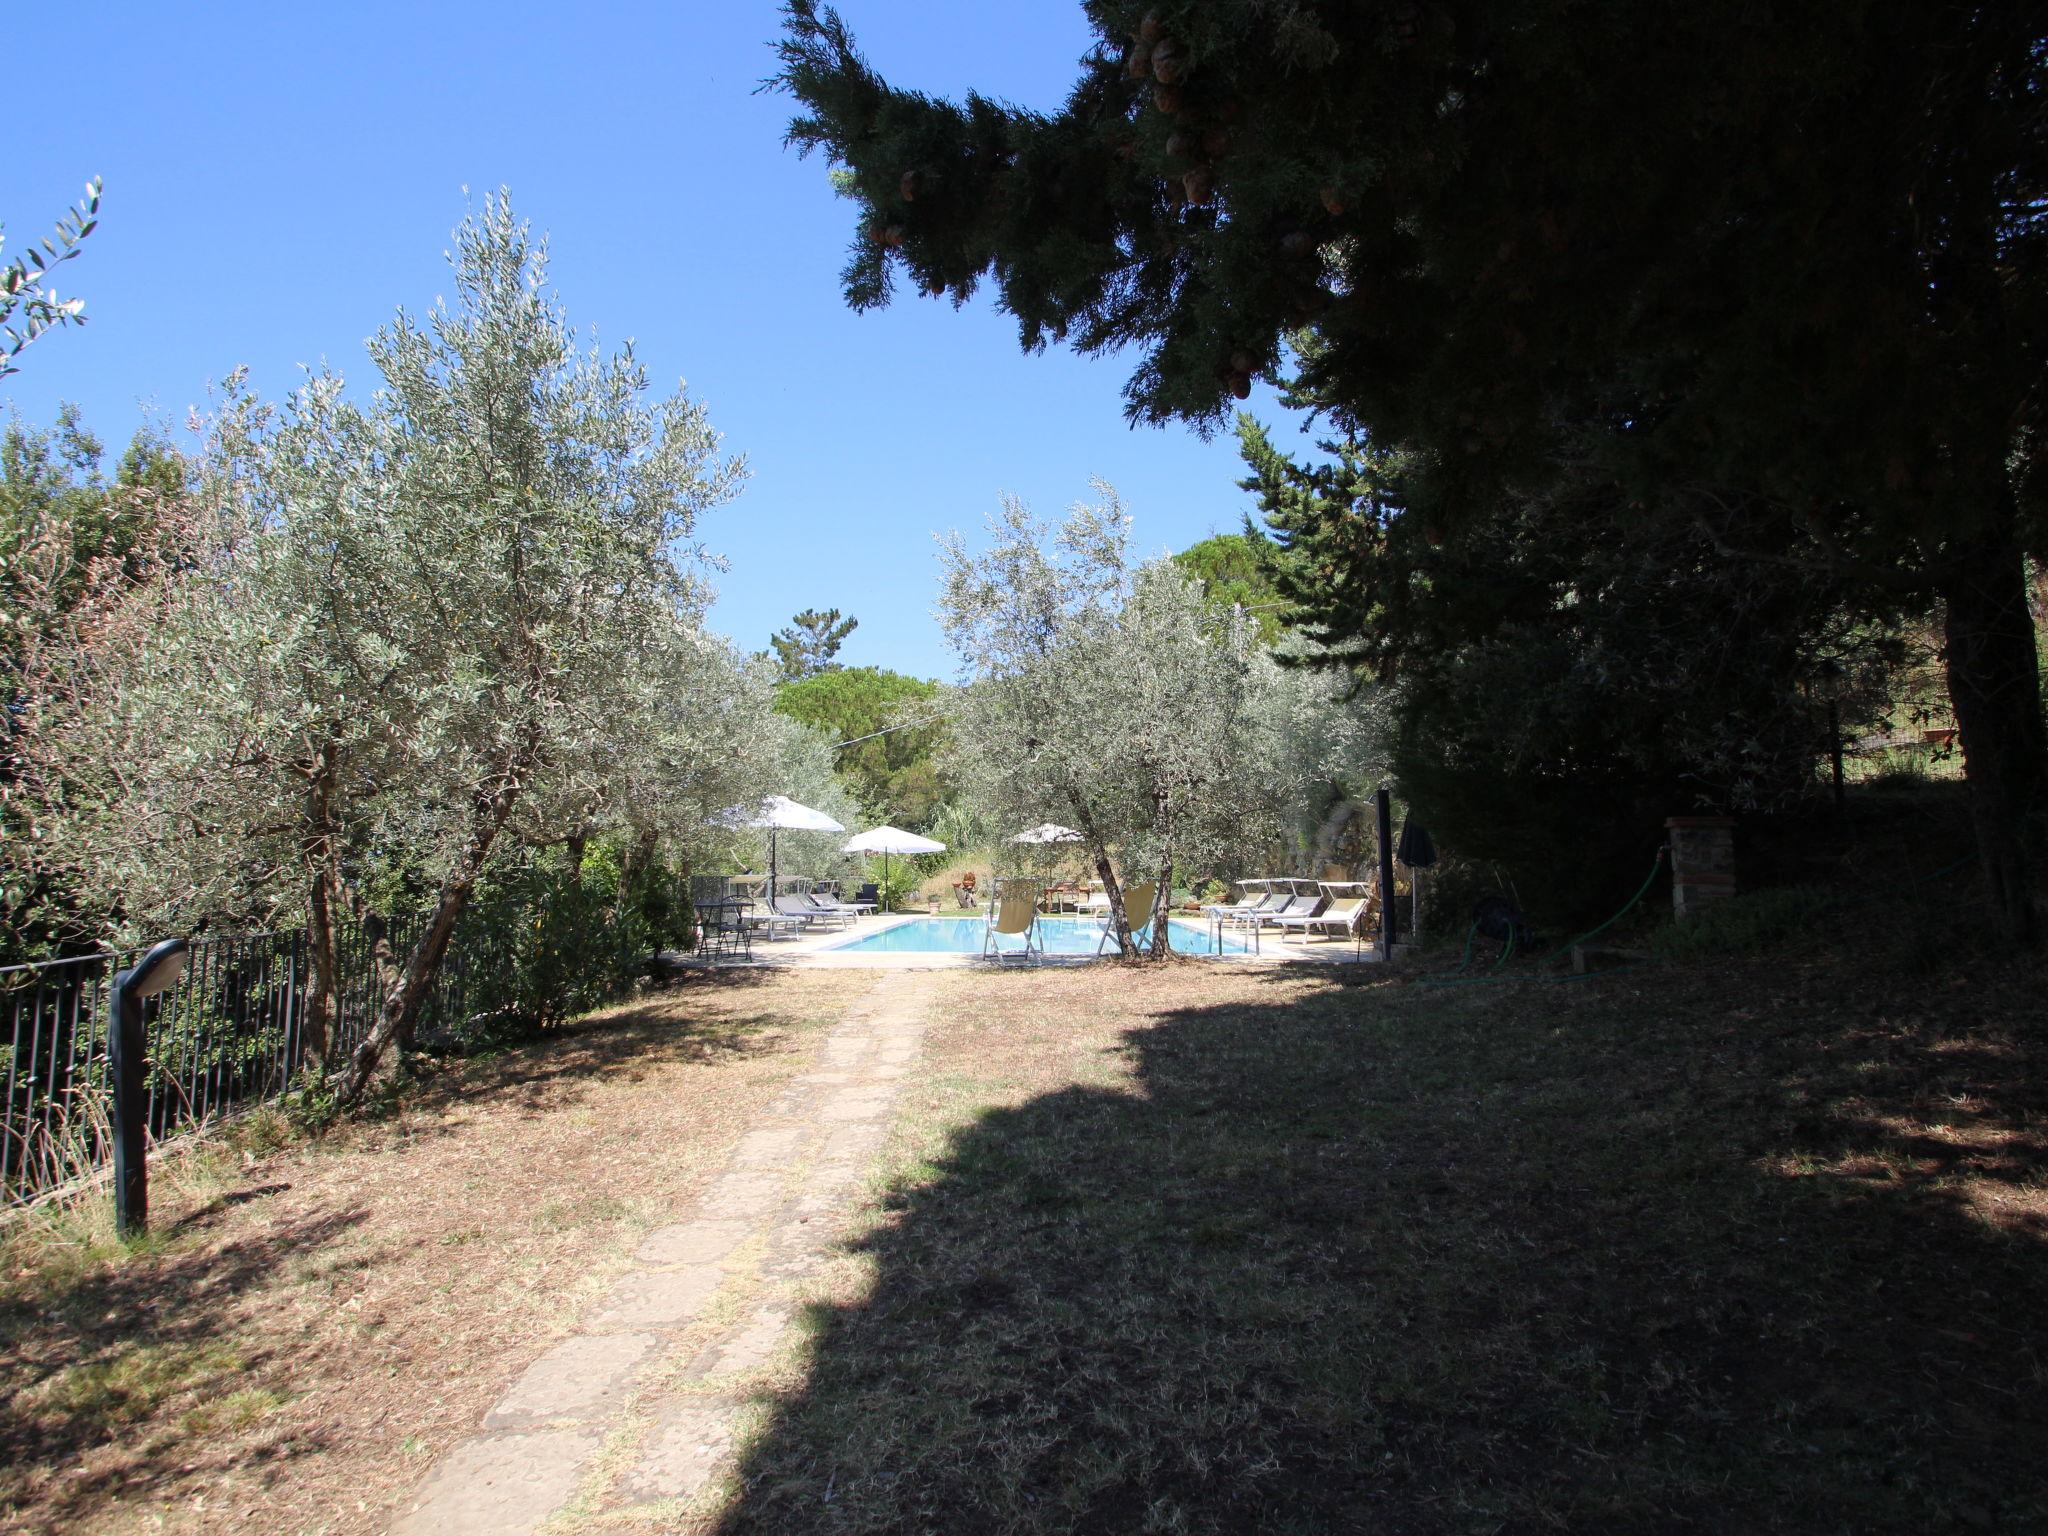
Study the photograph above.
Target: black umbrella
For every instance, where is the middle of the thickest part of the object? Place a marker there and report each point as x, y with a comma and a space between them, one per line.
1417, 852
1415, 849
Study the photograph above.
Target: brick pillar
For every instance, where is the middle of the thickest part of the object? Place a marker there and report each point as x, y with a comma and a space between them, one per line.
1702, 862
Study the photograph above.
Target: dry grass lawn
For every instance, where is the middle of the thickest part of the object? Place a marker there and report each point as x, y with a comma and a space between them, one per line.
1738, 1246
313, 1324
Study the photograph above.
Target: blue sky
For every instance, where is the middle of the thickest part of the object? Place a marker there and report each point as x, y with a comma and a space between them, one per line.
280, 178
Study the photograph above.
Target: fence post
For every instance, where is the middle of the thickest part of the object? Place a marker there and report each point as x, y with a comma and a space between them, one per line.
126, 1051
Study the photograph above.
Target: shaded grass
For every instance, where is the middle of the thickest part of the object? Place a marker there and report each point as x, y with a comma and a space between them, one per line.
1728, 1249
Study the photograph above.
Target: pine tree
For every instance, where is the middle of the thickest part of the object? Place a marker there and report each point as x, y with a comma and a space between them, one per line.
1770, 274
806, 645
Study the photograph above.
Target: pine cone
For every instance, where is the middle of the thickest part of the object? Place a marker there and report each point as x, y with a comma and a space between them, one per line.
1198, 184
1169, 63
909, 185
1333, 201
1151, 29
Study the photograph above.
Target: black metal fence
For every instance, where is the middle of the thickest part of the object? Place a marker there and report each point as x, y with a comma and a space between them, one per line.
227, 1035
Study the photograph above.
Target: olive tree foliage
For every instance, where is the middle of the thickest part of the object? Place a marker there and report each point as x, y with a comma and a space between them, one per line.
1331, 730
406, 624
1109, 696
25, 291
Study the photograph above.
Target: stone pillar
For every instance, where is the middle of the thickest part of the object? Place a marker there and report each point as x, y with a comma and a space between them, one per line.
1702, 862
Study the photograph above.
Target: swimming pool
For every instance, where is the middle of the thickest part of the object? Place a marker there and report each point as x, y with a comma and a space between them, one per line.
1059, 935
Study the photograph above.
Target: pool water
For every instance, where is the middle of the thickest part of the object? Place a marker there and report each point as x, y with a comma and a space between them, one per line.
1058, 935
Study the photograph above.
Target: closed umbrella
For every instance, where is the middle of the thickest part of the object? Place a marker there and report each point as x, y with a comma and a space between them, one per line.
888, 840
1417, 852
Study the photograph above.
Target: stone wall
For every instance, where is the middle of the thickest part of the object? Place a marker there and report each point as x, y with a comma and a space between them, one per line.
1702, 862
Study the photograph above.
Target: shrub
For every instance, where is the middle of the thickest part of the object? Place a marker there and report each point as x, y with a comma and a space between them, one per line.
540, 943
1752, 922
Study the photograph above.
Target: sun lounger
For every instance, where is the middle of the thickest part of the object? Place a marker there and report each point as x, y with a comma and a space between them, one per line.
1301, 905
832, 906
1343, 918
1268, 900
800, 908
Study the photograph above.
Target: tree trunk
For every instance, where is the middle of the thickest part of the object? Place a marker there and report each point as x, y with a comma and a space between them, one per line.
316, 1031
408, 990
323, 937
1994, 685
1162, 912
1107, 876
1162, 891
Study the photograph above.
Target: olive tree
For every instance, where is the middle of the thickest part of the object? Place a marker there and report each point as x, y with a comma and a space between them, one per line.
403, 622
1109, 694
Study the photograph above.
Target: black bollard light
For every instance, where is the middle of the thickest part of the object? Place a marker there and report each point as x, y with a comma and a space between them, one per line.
1383, 828
153, 973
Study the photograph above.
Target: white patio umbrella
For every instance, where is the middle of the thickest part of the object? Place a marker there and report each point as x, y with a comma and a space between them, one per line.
888, 840
1047, 832
778, 813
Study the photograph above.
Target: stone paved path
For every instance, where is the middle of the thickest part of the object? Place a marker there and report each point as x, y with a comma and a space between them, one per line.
637, 1408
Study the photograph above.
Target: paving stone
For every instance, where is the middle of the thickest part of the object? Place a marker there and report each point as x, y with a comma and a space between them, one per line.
704, 1241
685, 1450
774, 1144
748, 1347
581, 1378
657, 1298
745, 1194
500, 1485
856, 1104
794, 1265
857, 1141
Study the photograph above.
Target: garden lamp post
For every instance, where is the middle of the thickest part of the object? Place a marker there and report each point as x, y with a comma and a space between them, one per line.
155, 972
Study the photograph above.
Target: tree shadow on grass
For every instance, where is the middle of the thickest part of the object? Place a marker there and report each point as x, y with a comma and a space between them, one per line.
1626, 1262
85, 1364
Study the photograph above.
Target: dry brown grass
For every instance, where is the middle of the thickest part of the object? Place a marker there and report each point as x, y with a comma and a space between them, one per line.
1733, 1246
313, 1324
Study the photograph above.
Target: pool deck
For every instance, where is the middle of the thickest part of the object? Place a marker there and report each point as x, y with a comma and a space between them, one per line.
817, 949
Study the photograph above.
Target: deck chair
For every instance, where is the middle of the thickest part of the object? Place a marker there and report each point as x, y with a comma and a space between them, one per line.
1303, 905
1137, 912
1340, 919
1014, 911
798, 907
828, 906
1248, 903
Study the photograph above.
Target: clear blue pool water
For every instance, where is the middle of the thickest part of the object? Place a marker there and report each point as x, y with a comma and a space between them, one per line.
1060, 936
